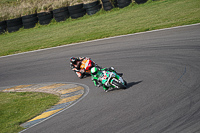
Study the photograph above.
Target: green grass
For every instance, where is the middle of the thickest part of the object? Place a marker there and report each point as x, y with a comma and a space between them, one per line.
134, 18
18, 107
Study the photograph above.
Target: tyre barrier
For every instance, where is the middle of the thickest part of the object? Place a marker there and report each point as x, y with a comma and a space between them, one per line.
14, 24
76, 11
29, 21
107, 5
140, 1
115, 3
123, 3
61, 14
93, 7
45, 17
104, 1
3, 27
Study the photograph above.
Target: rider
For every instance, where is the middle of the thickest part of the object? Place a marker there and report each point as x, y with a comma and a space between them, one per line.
97, 73
75, 64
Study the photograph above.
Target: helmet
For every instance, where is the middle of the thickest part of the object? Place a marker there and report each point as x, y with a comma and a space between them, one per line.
94, 71
73, 60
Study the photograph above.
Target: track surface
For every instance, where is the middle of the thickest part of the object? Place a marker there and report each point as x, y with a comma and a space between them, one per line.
162, 69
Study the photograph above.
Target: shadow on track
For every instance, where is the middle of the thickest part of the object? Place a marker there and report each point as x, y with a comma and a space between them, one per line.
132, 84
128, 85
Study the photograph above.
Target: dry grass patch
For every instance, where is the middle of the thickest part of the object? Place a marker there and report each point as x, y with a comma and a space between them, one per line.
10, 9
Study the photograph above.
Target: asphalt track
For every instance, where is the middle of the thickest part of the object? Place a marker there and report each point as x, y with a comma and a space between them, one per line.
162, 69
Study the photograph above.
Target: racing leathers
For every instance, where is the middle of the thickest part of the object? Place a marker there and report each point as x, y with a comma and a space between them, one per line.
98, 74
75, 64
78, 65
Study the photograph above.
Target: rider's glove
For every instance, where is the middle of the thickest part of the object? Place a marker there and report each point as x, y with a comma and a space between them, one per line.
112, 68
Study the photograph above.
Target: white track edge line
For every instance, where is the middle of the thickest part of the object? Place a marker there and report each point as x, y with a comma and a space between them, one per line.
85, 94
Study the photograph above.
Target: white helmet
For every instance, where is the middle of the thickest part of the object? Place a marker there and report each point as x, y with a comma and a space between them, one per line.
94, 70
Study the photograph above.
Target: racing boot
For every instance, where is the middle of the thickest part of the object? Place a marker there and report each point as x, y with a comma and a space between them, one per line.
80, 75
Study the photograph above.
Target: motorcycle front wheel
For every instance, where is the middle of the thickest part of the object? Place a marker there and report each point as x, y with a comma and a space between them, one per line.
119, 85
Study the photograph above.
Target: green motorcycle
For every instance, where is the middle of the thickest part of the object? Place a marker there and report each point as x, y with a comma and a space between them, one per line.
112, 80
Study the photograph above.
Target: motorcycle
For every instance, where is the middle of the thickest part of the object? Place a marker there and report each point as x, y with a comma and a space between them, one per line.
112, 80
86, 66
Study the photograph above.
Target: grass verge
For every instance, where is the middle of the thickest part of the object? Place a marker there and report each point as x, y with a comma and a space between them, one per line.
18, 107
134, 18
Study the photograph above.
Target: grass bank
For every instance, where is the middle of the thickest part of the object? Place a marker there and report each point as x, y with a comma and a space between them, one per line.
134, 18
18, 107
